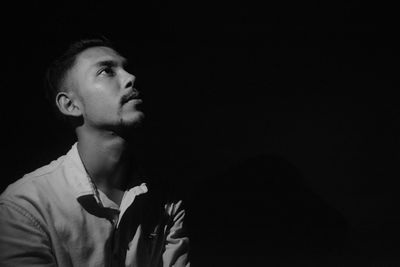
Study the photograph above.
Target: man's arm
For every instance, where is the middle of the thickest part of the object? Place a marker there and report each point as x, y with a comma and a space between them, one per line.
177, 242
23, 242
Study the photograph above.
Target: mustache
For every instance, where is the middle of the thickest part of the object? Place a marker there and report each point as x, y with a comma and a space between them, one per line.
129, 96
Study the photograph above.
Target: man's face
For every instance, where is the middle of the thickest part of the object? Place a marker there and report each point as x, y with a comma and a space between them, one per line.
105, 89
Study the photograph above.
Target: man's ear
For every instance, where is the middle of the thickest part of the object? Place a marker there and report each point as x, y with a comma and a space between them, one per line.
67, 104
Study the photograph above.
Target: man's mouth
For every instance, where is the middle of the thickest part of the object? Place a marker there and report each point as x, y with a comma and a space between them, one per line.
130, 97
135, 100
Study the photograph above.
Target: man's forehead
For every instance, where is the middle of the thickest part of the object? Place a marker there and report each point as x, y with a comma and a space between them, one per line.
93, 55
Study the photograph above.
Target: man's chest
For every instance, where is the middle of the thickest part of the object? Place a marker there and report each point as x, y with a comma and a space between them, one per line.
92, 241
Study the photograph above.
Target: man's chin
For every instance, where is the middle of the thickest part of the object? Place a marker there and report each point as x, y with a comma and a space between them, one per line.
134, 120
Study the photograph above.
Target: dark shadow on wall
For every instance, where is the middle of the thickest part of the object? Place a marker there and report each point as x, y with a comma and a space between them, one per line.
260, 213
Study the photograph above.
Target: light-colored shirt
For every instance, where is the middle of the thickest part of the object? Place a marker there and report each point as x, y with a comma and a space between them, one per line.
55, 216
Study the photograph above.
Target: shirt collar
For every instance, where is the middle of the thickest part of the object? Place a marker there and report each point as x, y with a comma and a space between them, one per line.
77, 176
82, 184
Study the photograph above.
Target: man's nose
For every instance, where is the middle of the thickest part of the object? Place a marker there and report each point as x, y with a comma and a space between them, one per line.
129, 80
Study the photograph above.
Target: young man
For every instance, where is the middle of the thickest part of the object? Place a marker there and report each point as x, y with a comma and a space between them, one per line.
87, 208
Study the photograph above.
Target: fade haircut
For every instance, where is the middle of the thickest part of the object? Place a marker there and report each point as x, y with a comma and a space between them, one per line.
57, 71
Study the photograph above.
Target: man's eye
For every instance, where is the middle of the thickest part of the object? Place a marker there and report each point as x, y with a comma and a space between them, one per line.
107, 71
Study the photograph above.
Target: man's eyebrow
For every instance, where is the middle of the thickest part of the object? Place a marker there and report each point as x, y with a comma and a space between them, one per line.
112, 63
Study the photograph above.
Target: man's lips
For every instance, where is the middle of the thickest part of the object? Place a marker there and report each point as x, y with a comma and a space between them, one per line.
136, 100
130, 97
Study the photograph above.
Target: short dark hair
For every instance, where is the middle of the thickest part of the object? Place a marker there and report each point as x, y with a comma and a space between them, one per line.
57, 70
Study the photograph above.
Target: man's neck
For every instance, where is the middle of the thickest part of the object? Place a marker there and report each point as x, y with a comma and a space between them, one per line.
104, 156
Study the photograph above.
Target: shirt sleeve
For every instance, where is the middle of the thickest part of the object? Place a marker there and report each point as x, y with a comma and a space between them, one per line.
177, 242
22, 241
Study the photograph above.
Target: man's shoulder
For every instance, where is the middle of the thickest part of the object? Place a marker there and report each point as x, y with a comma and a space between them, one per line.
33, 182
172, 207
174, 211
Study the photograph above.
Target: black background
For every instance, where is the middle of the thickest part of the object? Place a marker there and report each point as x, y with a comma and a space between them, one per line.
278, 121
